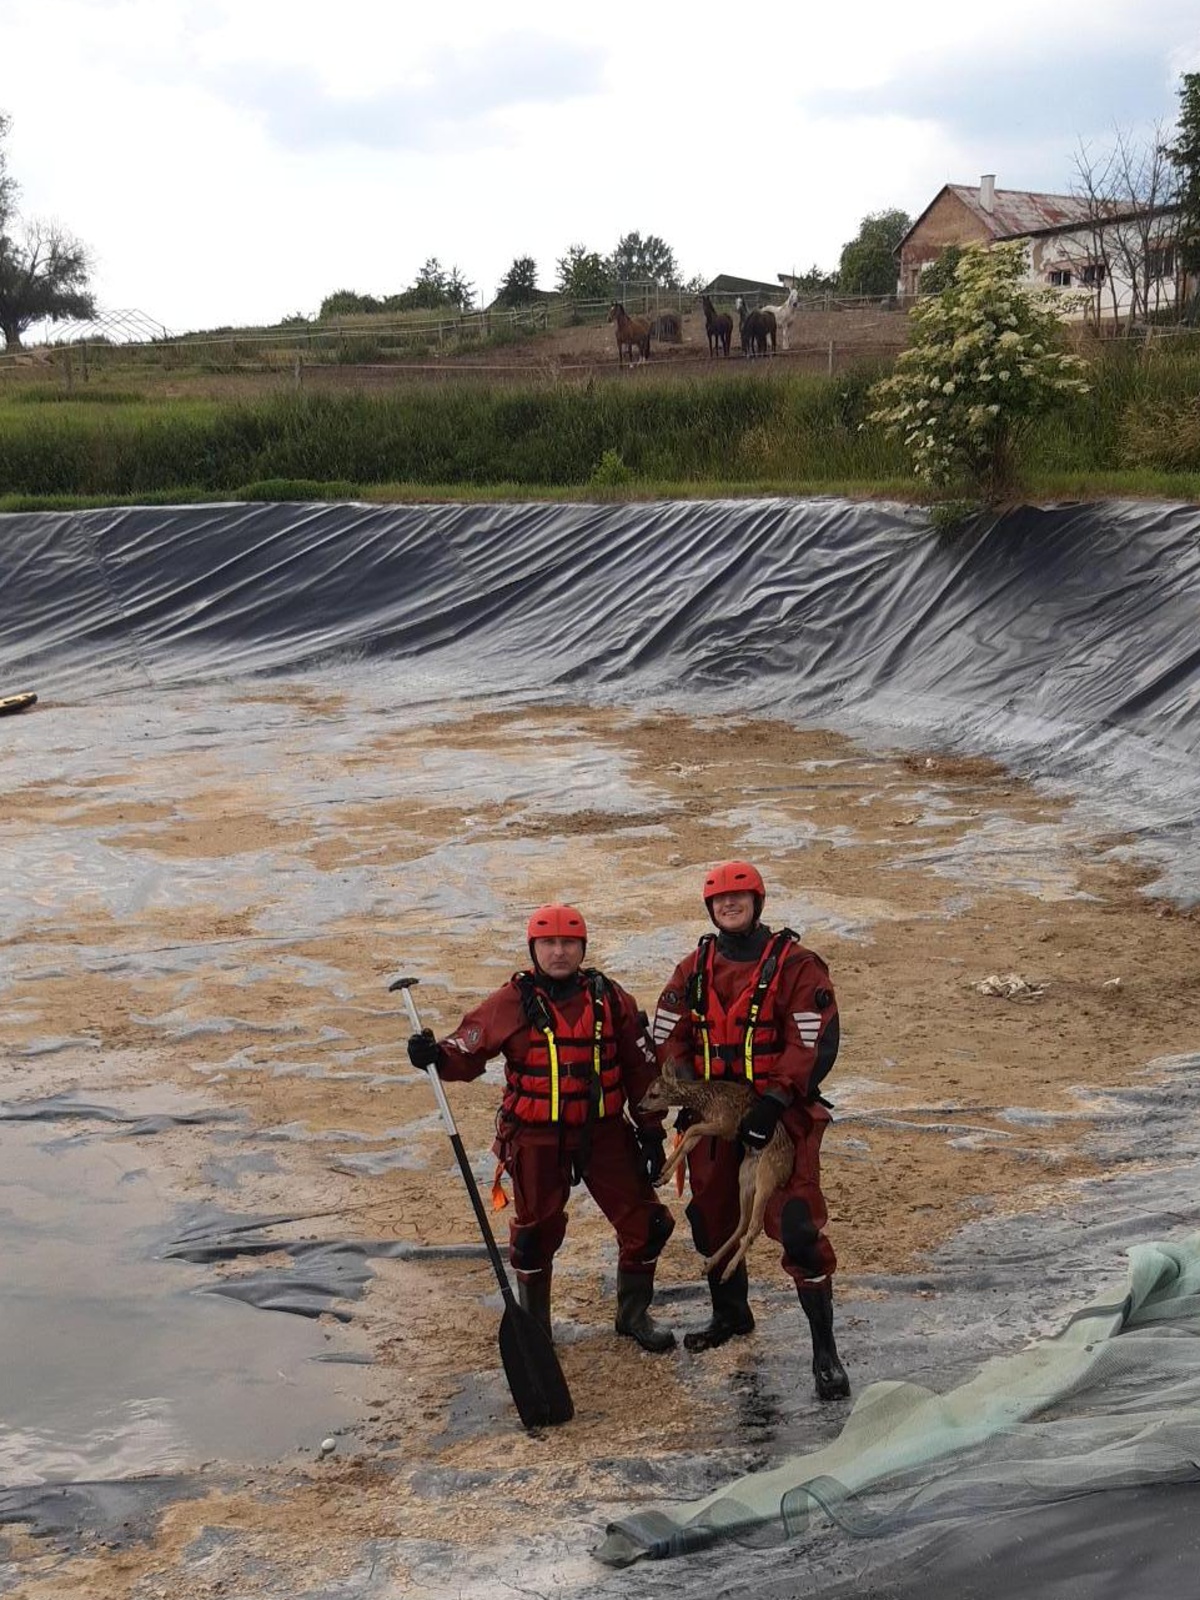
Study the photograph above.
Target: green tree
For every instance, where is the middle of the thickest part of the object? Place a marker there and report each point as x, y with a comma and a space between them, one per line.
939, 274
460, 291
432, 289
428, 291
345, 303
1184, 156
519, 287
984, 362
816, 281
583, 274
648, 260
8, 187
43, 270
868, 262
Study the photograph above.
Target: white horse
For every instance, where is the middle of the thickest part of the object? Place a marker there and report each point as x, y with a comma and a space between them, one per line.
785, 315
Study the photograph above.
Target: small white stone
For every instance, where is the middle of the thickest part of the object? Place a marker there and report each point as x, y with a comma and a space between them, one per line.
328, 1446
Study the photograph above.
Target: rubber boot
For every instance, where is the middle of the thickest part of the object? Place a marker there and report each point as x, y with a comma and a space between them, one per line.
731, 1316
634, 1294
829, 1374
533, 1295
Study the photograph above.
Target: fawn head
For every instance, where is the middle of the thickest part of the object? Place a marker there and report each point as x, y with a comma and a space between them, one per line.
667, 1090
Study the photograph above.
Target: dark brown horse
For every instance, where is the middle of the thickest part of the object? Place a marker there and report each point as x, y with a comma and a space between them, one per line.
718, 325
755, 328
630, 331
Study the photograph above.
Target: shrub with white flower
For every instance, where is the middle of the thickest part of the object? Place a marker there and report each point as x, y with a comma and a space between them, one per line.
985, 361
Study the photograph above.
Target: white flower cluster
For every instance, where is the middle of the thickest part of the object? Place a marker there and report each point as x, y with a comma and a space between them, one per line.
984, 361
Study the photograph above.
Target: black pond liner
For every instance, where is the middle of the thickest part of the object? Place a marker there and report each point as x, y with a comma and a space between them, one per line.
1064, 636
1062, 641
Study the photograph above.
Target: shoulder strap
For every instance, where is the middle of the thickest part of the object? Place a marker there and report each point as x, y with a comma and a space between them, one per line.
599, 985
697, 984
533, 1002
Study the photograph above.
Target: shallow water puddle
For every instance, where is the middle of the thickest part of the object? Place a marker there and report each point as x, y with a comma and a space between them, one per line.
113, 1363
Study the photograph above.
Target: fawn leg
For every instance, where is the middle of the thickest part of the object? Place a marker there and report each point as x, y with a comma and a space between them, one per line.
746, 1177
677, 1155
693, 1136
755, 1203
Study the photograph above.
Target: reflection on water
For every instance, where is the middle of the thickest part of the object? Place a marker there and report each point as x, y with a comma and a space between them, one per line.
112, 1364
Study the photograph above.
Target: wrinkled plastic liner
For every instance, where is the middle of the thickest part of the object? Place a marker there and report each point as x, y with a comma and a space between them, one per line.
1062, 640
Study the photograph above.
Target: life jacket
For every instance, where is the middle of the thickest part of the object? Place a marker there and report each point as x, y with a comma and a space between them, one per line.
747, 1039
570, 1074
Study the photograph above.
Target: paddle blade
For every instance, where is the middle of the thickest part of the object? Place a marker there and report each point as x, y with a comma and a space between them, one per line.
531, 1367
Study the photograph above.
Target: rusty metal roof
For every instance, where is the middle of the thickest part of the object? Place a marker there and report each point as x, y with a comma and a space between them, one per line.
1020, 211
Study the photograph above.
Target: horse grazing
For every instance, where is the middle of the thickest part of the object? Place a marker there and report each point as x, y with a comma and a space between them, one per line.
755, 328
718, 325
785, 315
630, 331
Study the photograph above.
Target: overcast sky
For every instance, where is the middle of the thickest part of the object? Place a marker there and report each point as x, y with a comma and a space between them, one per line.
234, 161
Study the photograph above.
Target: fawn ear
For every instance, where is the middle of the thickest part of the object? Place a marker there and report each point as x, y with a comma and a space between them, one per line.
669, 1071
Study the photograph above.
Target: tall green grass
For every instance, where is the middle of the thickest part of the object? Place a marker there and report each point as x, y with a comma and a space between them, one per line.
783, 432
454, 434
1129, 416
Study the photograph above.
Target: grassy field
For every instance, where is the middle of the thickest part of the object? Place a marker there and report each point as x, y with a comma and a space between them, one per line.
667, 434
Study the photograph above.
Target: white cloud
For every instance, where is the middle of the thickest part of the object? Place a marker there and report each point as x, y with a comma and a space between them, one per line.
231, 161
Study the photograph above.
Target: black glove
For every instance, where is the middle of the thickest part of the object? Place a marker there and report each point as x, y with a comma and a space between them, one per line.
684, 1119
760, 1122
653, 1147
423, 1049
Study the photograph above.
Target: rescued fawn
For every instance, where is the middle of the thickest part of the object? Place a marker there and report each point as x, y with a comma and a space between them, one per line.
719, 1108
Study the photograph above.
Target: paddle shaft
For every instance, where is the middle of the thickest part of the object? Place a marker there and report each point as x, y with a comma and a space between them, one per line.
481, 1215
535, 1378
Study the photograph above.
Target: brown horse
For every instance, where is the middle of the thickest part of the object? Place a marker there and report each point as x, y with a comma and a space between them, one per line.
755, 328
630, 331
718, 325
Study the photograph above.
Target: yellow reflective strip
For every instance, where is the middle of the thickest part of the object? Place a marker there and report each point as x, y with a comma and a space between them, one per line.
553, 1047
597, 1064
748, 1043
707, 1055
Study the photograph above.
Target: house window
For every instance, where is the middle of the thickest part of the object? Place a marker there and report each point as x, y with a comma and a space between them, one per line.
1060, 277
1093, 274
1161, 261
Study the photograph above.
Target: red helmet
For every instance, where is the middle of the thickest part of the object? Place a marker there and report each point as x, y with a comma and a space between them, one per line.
556, 922
735, 877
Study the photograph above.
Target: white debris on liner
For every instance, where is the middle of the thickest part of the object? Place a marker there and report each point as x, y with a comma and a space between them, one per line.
1010, 986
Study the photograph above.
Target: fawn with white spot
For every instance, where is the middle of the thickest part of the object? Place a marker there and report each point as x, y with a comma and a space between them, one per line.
718, 1107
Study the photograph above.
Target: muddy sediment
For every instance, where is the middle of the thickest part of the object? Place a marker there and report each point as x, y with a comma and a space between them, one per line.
205, 920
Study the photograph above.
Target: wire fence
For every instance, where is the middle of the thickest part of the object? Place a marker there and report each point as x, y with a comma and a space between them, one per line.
131, 339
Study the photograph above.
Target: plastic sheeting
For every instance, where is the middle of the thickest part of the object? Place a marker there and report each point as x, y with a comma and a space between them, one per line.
1062, 640
1121, 1380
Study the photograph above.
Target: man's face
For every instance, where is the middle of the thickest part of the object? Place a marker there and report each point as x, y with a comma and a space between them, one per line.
558, 958
734, 912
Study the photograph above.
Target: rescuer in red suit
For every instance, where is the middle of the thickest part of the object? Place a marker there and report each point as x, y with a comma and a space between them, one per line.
577, 1060
757, 1006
